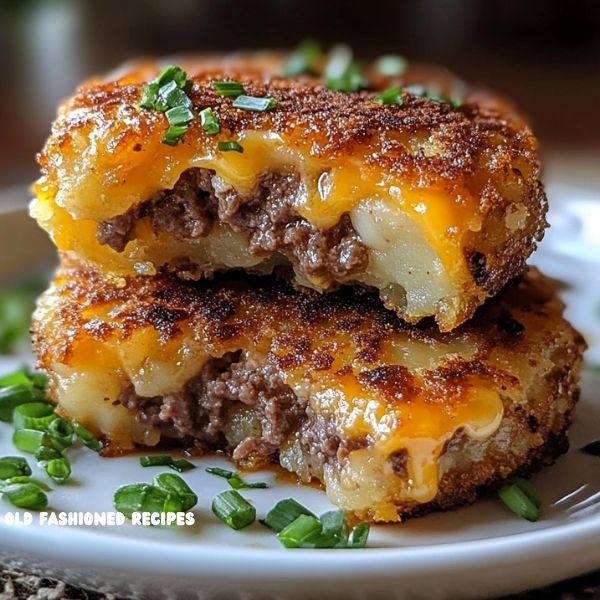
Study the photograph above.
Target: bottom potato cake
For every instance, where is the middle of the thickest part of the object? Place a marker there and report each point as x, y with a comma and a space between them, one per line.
393, 419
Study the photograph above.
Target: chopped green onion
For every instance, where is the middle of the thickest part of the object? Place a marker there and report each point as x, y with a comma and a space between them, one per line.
182, 465
86, 437
179, 115
143, 497
254, 104
592, 448
149, 95
334, 526
302, 532
342, 73
174, 134
26, 495
20, 377
303, 59
156, 461
520, 498
392, 95
46, 452
24, 479
16, 395
230, 146
235, 481
173, 73
58, 469
13, 466
39, 380
28, 440
209, 122
173, 484
34, 415
233, 509
285, 512
360, 535
229, 88
391, 65
60, 433
171, 96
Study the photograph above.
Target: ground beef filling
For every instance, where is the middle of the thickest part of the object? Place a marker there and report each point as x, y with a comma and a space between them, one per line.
240, 406
267, 216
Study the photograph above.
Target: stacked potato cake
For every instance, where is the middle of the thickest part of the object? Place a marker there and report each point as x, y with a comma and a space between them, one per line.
300, 270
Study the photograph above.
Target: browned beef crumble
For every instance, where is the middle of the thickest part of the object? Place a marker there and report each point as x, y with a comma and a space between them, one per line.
198, 415
267, 216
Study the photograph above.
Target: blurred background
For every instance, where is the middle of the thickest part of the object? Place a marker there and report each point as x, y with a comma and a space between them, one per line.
545, 54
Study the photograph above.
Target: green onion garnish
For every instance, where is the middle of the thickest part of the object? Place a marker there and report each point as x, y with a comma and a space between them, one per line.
143, 497
175, 485
58, 469
86, 437
235, 481
254, 104
156, 461
392, 95
174, 134
24, 479
182, 465
303, 531
229, 88
285, 512
28, 440
360, 535
20, 377
25, 495
34, 415
342, 73
167, 93
334, 527
13, 466
46, 452
230, 146
521, 498
233, 509
60, 434
17, 395
209, 122
391, 65
303, 59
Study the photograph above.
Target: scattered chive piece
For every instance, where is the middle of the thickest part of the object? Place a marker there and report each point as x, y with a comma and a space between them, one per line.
392, 95
13, 466
26, 495
235, 481
45, 453
593, 448
229, 88
301, 532
254, 104
360, 535
58, 469
28, 440
175, 485
172, 73
182, 465
342, 73
179, 115
209, 122
303, 59
143, 497
59, 434
174, 134
520, 497
20, 377
234, 510
24, 479
86, 437
230, 146
391, 65
285, 512
34, 415
156, 461
149, 95
17, 395
334, 526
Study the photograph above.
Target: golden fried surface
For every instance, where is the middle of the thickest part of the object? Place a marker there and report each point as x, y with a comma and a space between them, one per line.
420, 419
458, 188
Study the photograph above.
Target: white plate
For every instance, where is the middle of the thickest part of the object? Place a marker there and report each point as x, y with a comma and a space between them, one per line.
475, 552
